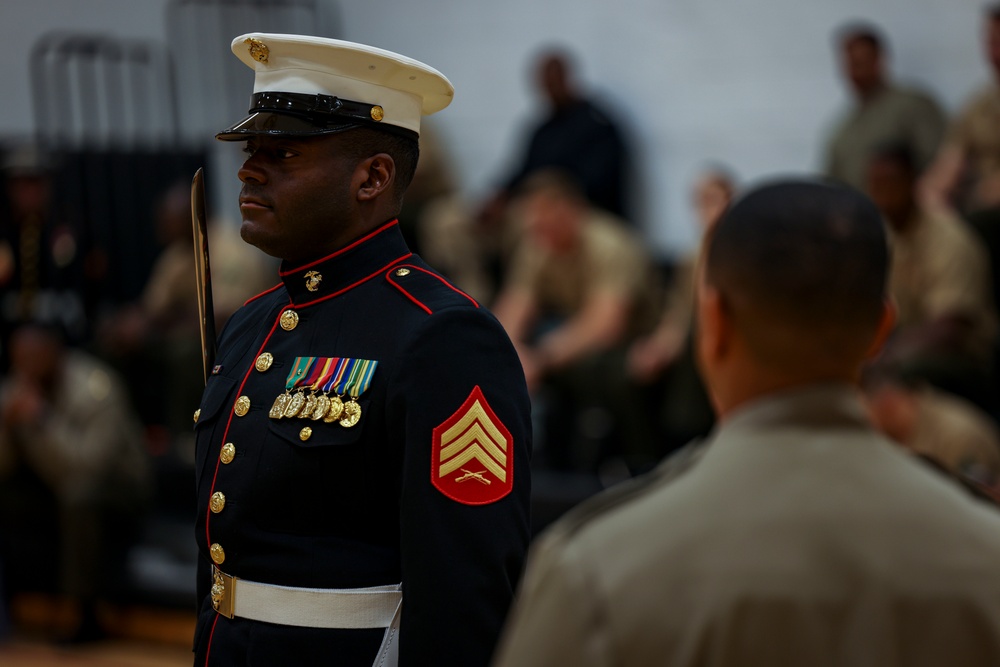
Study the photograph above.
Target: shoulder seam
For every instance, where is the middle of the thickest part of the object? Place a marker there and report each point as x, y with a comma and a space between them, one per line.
264, 293
420, 304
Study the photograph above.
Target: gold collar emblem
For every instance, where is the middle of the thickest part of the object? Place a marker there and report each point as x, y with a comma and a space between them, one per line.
258, 49
313, 279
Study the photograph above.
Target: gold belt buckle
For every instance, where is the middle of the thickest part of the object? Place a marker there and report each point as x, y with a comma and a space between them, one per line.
223, 592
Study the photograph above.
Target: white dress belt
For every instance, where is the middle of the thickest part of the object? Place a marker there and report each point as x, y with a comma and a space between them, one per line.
345, 608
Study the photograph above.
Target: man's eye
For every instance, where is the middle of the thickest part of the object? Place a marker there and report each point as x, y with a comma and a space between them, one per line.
249, 150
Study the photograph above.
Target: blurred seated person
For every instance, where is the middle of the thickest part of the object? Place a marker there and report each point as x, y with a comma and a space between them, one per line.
934, 424
663, 361
966, 172
580, 288
66, 422
940, 281
159, 335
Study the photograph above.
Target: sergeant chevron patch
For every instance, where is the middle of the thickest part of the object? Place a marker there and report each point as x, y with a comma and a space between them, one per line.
472, 460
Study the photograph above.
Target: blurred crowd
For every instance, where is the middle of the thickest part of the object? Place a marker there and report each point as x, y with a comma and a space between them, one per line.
96, 398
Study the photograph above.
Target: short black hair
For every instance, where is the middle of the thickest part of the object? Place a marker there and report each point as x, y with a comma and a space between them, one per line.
801, 261
863, 31
404, 151
898, 154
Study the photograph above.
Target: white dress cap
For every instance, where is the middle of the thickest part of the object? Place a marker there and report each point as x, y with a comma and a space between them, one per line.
313, 85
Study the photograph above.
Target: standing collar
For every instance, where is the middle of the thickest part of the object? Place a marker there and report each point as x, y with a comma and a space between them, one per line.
346, 268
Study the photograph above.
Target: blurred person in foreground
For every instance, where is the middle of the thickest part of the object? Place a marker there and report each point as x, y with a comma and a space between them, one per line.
965, 174
796, 534
580, 288
363, 442
882, 112
66, 421
941, 283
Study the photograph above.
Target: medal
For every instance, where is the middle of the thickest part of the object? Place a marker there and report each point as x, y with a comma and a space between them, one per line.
307, 409
295, 404
352, 414
322, 406
280, 403
336, 409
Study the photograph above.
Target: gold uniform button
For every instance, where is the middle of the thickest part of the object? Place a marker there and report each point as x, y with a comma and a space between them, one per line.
197, 413
289, 320
402, 272
305, 434
242, 406
264, 362
218, 553
228, 453
218, 502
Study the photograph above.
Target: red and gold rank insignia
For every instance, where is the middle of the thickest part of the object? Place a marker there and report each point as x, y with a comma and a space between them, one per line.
472, 460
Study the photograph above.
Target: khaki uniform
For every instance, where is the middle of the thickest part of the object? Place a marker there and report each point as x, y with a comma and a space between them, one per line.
895, 115
955, 433
976, 131
609, 259
800, 537
939, 267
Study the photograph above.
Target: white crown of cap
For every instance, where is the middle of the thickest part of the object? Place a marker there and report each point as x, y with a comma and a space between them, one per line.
404, 88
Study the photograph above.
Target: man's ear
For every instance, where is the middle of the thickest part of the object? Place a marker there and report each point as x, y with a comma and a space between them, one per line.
714, 323
375, 176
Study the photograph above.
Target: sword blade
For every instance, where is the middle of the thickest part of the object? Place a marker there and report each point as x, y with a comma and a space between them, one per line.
203, 273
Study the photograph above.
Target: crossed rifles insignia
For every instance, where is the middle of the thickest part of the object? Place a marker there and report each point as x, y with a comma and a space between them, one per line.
473, 461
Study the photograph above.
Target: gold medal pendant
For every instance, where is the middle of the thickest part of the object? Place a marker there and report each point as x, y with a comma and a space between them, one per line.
322, 406
280, 403
352, 414
307, 409
295, 404
335, 411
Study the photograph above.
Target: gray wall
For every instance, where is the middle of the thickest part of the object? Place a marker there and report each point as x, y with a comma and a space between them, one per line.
751, 84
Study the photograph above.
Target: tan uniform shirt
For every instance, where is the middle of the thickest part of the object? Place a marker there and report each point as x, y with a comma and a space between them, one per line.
895, 115
939, 267
800, 537
976, 130
609, 259
957, 434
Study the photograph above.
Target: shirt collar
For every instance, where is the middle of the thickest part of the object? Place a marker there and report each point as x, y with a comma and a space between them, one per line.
346, 268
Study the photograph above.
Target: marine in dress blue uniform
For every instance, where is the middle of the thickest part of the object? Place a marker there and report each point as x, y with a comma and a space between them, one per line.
366, 424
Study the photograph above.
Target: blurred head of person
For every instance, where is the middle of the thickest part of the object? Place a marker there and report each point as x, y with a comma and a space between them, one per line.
173, 215
713, 192
792, 291
891, 183
27, 173
554, 72
863, 51
37, 352
553, 208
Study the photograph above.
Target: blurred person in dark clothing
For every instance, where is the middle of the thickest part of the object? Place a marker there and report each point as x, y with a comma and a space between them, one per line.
578, 136
66, 422
966, 173
940, 281
883, 112
43, 257
580, 288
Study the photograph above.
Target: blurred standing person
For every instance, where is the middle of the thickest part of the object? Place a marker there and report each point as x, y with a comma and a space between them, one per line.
799, 535
65, 418
940, 281
580, 287
883, 112
966, 173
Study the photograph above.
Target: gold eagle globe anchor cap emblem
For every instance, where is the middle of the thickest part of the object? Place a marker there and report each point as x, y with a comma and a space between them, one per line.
313, 279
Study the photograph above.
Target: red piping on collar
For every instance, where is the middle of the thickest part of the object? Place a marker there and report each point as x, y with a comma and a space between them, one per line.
265, 292
423, 306
351, 286
342, 250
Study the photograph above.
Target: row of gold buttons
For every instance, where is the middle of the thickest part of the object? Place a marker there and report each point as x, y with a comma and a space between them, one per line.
289, 320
